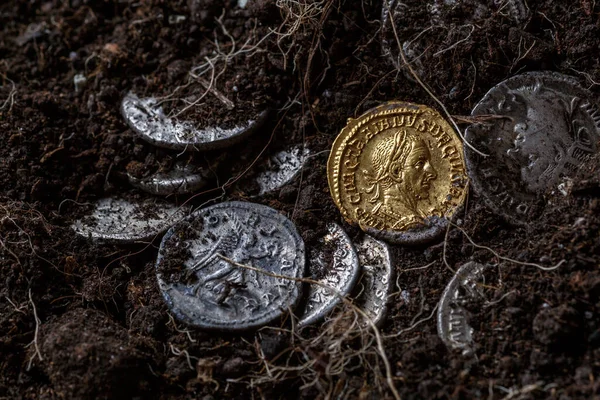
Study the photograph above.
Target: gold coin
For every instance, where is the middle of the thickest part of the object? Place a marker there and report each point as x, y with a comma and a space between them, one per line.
398, 171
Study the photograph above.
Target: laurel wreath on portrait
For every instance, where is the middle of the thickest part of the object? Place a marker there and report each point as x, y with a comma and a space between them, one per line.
399, 153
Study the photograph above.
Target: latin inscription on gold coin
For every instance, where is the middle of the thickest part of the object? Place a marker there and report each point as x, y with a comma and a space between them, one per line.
398, 171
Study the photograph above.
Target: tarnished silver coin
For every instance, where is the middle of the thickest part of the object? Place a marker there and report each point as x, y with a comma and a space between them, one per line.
547, 126
452, 316
373, 288
121, 220
281, 168
335, 265
147, 118
182, 178
213, 267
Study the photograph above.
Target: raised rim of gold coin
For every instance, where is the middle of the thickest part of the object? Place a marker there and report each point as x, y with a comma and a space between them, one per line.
398, 171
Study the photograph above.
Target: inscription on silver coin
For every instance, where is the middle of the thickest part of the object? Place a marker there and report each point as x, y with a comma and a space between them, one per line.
452, 316
181, 179
121, 220
147, 118
373, 288
335, 266
281, 168
547, 127
200, 267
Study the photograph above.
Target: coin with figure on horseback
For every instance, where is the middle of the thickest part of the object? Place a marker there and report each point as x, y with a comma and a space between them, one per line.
398, 172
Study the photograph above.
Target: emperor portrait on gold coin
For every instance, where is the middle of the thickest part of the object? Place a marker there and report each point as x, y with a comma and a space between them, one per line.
398, 171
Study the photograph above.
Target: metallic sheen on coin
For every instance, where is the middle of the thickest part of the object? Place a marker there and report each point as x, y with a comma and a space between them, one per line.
452, 317
200, 266
281, 168
335, 266
375, 283
121, 220
181, 179
398, 172
547, 127
147, 118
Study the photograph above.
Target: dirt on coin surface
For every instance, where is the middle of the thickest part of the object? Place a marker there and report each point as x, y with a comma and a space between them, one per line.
85, 320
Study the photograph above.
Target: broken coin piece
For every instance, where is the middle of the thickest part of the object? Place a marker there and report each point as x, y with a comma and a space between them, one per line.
452, 316
147, 118
281, 168
398, 172
376, 279
120, 220
334, 266
544, 127
222, 267
183, 178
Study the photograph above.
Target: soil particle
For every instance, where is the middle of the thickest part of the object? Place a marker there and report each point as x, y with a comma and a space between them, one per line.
108, 362
558, 327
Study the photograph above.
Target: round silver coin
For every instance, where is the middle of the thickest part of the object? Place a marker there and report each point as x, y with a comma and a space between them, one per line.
547, 127
452, 317
121, 220
200, 266
374, 286
147, 118
183, 178
335, 266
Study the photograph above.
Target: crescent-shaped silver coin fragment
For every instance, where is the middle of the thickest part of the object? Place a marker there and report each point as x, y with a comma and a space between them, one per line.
183, 178
335, 266
375, 284
147, 118
120, 220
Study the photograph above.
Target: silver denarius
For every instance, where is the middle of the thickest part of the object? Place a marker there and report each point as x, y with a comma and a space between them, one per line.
376, 279
546, 127
122, 220
147, 118
334, 266
222, 267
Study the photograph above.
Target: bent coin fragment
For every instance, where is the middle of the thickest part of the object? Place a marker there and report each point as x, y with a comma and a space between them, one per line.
181, 179
452, 317
221, 267
281, 168
398, 172
121, 220
376, 280
546, 127
335, 266
147, 118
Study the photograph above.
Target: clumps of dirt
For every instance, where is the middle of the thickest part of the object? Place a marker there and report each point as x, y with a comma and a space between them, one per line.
107, 360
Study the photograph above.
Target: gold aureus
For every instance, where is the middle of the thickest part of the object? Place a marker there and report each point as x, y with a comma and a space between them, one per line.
395, 167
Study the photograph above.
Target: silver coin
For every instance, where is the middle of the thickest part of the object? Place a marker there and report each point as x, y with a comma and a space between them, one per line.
200, 266
452, 317
147, 118
281, 168
376, 279
121, 220
548, 127
181, 179
334, 266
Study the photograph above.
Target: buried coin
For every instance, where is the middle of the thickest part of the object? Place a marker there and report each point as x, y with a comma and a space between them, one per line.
398, 172
147, 118
181, 179
546, 127
335, 266
281, 168
375, 283
121, 220
221, 267
452, 316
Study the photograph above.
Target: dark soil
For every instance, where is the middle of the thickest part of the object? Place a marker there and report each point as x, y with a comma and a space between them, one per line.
104, 331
